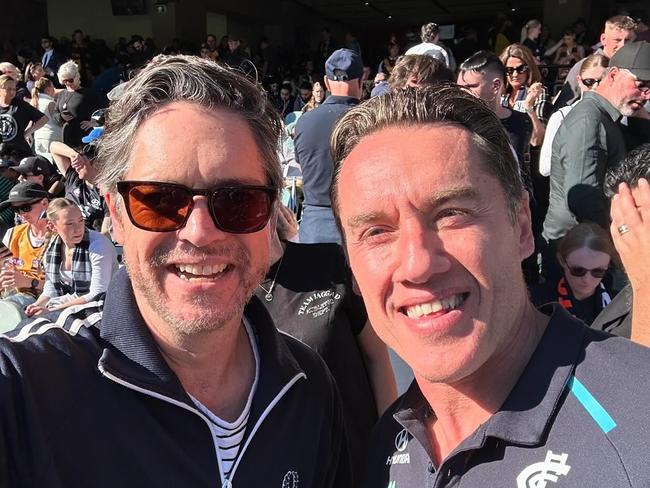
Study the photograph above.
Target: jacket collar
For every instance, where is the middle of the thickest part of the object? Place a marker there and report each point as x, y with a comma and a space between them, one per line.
525, 415
603, 104
131, 353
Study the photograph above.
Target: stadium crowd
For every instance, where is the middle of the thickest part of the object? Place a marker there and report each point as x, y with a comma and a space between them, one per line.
477, 205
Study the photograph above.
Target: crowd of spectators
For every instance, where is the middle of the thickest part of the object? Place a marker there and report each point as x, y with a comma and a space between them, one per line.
55, 95
570, 119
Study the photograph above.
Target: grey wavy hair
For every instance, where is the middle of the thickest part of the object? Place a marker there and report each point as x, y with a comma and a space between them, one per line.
68, 70
168, 79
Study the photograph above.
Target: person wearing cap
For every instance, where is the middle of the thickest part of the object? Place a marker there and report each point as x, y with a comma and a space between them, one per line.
79, 175
343, 71
22, 277
589, 142
39, 170
619, 30
78, 263
430, 35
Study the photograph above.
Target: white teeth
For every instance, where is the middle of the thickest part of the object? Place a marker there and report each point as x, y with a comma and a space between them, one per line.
200, 270
448, 303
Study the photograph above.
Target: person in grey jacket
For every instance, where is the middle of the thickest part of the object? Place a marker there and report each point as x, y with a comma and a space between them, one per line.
588, 143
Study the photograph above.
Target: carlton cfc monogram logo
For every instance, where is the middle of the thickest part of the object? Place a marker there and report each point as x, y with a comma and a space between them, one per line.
538, 475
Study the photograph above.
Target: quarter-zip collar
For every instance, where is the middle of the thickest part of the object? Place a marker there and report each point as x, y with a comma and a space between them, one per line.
131, 354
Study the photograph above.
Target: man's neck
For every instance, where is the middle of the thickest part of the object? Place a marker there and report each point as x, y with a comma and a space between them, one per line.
216, 367
461, 407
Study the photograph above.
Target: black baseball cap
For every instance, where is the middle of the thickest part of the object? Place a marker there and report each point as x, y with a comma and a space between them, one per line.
344, 65
634, 57
35, 165
24, 192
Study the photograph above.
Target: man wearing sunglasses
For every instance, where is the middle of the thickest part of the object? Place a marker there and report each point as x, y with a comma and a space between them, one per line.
588, 143
22, 276
619, 31
179, 381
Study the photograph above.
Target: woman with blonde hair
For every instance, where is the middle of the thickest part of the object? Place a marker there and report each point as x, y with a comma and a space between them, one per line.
74, 105
530, 33
79, 262
592, 72
43, 99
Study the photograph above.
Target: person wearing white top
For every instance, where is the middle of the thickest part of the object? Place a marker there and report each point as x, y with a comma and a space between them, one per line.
43, 100
429, 46
592, 71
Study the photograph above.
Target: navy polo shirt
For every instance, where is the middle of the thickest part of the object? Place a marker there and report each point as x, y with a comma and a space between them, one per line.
578, 417
312, 147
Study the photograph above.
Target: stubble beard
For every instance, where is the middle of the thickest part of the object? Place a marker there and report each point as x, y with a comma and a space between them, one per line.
210, 318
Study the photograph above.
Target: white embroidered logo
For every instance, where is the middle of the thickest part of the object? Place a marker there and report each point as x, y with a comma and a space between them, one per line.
402, 440
290, 480
539, 474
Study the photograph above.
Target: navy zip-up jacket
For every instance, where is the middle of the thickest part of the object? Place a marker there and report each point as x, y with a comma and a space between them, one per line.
90, 401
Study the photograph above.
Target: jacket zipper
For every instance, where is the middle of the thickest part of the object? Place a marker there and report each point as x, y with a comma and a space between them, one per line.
265, 413
226, 481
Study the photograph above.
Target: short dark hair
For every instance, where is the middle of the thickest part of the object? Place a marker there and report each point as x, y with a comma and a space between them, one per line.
483, 62
631, 169
305, 85
444, 103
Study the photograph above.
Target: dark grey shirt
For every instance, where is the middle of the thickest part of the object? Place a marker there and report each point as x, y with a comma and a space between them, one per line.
577, 417
588, 143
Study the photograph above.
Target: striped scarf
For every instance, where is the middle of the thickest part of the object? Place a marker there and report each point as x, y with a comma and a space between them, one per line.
81, 266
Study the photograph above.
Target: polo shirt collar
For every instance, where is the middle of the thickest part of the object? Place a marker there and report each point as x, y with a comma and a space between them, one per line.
603, 104
131, 353
525, 414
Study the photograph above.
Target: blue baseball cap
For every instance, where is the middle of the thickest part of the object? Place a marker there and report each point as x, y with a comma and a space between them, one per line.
95, 134
344, 65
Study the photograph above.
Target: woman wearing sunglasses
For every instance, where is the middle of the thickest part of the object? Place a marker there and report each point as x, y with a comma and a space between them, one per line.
79, 262
591, 72
524, 89
585, 255
74, 105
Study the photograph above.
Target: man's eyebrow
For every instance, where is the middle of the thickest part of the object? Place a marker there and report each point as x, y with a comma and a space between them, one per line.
445, 196
438, 199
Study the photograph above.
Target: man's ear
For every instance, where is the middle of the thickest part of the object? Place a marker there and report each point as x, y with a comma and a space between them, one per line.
116, 217
327, 83
497, 84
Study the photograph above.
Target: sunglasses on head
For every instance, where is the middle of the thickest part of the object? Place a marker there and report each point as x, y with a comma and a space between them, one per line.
165, 207
579, 271
522, 68
589, 82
